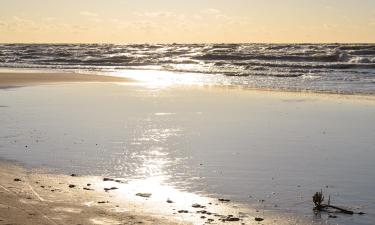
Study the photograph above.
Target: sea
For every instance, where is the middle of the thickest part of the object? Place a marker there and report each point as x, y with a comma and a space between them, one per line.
329, 68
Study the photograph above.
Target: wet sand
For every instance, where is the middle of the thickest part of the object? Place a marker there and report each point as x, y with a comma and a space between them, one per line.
45, 133
18, 79
38, 198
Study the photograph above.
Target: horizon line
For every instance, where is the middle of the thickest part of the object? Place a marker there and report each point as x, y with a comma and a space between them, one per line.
182, 43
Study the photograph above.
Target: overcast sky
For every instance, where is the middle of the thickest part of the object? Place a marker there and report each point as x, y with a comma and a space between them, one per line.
192, 21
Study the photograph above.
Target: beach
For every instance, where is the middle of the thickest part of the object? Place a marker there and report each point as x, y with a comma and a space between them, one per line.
267, 152
37, 198
9, 80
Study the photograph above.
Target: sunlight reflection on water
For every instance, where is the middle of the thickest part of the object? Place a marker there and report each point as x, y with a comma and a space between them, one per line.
163, 79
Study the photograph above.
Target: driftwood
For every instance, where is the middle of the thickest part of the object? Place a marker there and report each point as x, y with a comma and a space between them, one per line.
318, 200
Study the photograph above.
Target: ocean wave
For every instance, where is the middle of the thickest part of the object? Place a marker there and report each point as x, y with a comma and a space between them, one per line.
332, 63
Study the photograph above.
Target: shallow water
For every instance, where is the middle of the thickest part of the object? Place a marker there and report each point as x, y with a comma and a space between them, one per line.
269, 150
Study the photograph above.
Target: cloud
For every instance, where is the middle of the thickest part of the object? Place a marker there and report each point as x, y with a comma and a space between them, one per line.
2, 24
211, 11
88, 14
154, 14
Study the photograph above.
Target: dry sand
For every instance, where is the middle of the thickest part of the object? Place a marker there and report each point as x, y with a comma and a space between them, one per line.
8, 80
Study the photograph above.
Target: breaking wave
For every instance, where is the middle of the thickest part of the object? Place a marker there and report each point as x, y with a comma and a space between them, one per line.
348, 68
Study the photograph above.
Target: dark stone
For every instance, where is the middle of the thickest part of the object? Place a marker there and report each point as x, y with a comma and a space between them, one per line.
169, 201
231, 219
108, 179
144, 195
109, 189
103, 202
223, 200
259, 219
17, 179
72, 186
183, 211
198, 206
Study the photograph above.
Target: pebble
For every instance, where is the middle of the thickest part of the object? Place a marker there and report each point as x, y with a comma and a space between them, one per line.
183, 211
103, 202
144, 195
198, 206
108, 179
231, 219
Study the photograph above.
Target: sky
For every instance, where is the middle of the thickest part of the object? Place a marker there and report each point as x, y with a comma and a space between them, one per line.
192, 21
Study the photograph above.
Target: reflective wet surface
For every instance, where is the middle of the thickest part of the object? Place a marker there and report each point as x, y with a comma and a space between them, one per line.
266, 150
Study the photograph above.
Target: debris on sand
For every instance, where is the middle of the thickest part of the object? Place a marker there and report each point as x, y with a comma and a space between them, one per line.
17, 179
144, 195
318, 199
110, 189
74, 175
103, 202
72, 186
204, 212
169, 201
198, 206
183, 211
230, 218
223, 200
107, 179
258, 219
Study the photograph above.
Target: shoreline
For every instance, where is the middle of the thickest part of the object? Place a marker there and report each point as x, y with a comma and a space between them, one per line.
35, 197
29, 197
183, 95
20, 79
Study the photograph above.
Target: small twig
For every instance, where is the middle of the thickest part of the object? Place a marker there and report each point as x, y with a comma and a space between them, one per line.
338, 208
318, 199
